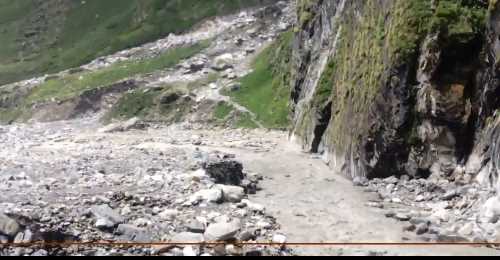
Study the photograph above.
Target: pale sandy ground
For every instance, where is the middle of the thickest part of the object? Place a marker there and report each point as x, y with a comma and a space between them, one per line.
315, 205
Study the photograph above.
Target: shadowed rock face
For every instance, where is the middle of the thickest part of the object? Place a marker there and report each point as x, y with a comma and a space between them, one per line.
374, 113
339, 108
225, 171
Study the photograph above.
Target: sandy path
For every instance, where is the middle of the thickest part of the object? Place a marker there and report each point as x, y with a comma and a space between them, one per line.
314, 205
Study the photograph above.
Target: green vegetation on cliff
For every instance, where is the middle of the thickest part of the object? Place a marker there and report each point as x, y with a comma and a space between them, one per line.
370, 50
324, 90
48, 36
454, 20
266, 90
305, 12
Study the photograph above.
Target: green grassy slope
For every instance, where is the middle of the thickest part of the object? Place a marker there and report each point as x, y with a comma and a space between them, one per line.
72, 85
266, 90
45, 36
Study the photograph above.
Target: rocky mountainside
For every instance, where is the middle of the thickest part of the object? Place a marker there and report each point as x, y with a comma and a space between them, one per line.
47, 36
177, 121
392, 88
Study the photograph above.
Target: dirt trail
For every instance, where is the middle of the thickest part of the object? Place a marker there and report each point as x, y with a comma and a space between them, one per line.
314, 205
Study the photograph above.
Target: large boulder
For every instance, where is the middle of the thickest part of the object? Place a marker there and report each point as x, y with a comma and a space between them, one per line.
196, 226
214, 195
223, 231
8, 226
129, 233
491, 210
233, 194
225, 171
106, 218
223, 62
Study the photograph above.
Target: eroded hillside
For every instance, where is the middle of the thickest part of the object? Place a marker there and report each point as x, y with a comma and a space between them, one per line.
190, 134
40, 36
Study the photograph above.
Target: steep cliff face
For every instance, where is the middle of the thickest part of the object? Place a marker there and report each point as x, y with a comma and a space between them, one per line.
385, 88
485, 157
354, 105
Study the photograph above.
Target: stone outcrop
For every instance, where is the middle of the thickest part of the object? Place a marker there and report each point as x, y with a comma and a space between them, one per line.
392, 88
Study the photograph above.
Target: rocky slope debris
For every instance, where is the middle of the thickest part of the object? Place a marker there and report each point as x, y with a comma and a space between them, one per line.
43, 36
438, 210
225, 46
150, 185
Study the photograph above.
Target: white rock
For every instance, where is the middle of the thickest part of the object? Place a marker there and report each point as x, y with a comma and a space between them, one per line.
222, 231
223, 62
466, 230
491, 211
111, 128
241, 213
24, 237
189, 251
264, 225
442, 215
40, 252
126, 211
106, 217
402, 217
233, 250
199, 174
169, 214
279, 239
233, 194
133, 123
8, 226
142, 222
254, 206
187, 237
420, 198
214, 195
103, 223
397, 200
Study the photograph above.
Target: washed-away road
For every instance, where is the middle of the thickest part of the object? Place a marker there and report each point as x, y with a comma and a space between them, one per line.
315, 205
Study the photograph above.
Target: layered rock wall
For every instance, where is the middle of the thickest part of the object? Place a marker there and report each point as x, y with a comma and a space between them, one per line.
390, 88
